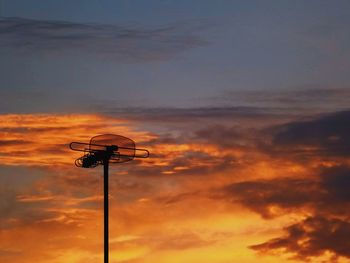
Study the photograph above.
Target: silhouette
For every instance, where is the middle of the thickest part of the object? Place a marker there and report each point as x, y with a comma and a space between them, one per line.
103, 150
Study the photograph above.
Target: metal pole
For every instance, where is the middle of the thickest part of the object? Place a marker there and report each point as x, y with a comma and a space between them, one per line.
105, 207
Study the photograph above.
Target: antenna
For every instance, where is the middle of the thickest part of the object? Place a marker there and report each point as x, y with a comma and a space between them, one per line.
103, 150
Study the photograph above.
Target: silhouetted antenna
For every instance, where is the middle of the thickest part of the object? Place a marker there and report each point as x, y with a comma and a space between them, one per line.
102, 150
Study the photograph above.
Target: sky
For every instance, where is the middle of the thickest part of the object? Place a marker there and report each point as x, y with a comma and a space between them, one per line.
243, 105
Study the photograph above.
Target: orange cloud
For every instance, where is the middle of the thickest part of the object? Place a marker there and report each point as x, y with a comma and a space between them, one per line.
206, 194
42, 140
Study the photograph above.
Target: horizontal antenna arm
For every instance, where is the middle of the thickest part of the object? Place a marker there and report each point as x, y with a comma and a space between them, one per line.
84, 147
144, 154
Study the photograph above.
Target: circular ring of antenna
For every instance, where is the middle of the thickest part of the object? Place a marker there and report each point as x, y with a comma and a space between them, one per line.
107, 147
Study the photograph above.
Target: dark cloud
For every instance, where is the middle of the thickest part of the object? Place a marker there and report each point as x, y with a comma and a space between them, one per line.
226, 136
264, 195
322, 136
327, 193
296, 98
125, 43
13, 142
312, 237
335, 181
179, 117
14, 130
206, 112
326, 199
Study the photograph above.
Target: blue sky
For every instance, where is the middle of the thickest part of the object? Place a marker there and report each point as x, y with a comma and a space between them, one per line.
168, 53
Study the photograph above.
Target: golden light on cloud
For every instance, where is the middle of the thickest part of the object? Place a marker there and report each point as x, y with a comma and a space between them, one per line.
44, 139
195, 200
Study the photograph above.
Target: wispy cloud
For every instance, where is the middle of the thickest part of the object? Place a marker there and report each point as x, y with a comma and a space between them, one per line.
111, 41
183, 116
313, 97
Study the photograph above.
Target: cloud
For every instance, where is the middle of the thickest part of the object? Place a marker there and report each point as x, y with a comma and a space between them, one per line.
335, 181
314, 97
185, 163
10, 253
181, 117
326, 192
227, 137
312, 237
178, 241
324, 197
13, 142
113, 41
42, 139
15, 213
325, 136
188, 160
272, 198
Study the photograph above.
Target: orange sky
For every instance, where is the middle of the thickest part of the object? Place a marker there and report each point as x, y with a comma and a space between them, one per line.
243, 105
209, 194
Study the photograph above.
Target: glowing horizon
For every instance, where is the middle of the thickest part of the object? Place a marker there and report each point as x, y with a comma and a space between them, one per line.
243, 105
160, 208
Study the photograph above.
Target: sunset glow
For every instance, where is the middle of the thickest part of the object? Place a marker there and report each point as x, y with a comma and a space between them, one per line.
159, 206
243, 106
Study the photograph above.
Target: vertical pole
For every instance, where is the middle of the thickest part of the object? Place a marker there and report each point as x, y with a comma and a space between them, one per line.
105, 208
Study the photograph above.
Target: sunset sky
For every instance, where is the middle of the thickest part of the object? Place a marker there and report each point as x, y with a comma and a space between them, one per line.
244, 106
